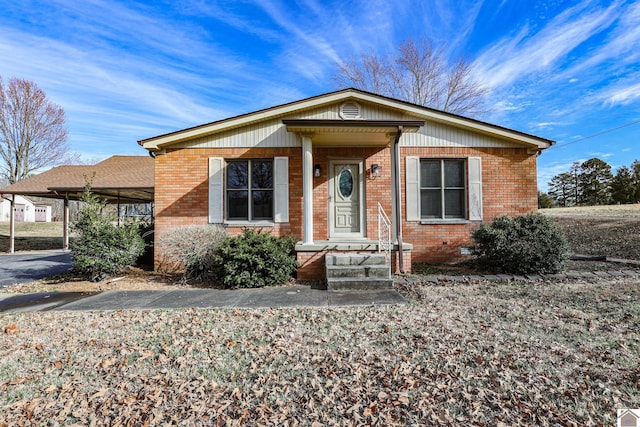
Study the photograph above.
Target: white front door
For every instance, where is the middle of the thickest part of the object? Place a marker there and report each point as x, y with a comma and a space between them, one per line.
346, 199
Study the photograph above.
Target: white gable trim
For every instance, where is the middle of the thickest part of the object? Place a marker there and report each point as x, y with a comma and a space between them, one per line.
428, 114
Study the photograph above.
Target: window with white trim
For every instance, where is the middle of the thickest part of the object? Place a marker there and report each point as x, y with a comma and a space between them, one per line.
443, 191
249, 190
447, 186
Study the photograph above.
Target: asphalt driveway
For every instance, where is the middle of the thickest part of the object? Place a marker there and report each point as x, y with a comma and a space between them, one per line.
27, 267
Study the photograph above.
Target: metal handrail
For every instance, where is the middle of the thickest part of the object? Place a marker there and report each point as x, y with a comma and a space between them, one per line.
384, 235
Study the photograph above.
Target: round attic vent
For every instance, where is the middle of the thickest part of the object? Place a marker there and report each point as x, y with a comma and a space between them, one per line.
350, 110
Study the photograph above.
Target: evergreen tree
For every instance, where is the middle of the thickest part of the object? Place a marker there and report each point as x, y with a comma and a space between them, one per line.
562, 189
544, 201
595, 182
622, 188
635, 179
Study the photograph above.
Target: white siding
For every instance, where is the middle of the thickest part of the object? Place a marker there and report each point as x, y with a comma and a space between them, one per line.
29, 208
439, 135
272, 133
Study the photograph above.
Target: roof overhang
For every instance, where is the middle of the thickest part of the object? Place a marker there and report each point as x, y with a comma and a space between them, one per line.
160, 142
110, 195
124, 179
352, 132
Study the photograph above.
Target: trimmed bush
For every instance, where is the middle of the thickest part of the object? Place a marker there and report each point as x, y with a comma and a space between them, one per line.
191, 249
254, 259
520, 245
101, 247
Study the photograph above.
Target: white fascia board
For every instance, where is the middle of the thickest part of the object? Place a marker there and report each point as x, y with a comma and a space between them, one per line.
159, 142
458, 121
245, 119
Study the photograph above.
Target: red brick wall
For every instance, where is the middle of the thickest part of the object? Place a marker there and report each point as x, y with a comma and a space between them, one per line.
182, 188
509, 187
508, 175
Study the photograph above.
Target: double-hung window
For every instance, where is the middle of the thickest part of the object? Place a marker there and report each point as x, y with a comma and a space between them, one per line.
249, 190
443, 192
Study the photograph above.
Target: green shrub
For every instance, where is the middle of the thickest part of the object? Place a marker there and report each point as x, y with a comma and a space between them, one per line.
520, 245
255, 259
101, 247
191, 249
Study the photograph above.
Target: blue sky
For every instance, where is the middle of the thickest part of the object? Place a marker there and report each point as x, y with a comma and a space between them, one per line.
125, 71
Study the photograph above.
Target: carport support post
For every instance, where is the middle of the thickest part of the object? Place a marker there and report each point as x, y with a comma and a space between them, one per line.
65, 224
12, 223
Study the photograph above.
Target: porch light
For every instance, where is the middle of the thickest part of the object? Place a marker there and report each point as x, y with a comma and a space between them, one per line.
376, 170
316, 171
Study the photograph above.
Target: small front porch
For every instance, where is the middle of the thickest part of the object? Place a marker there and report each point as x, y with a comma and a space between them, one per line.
312, 259
350, 176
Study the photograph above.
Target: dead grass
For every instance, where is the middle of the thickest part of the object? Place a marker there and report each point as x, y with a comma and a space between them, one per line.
620, 211
480, 354
134, 279
33, 229
611, 237
31, 236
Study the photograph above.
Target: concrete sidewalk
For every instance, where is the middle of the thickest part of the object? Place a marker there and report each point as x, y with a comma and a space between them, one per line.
276, 297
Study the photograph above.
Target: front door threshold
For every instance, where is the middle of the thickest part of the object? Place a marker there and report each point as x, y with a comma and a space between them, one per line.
351, 245
333, 245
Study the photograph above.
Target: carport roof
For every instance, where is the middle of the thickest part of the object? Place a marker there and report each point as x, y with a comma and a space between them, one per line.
118, 178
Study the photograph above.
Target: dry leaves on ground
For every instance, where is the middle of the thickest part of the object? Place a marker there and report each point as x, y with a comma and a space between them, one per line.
595, 236
484, 354
133, 279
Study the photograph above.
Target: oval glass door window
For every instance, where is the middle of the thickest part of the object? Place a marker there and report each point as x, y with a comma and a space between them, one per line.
345, 183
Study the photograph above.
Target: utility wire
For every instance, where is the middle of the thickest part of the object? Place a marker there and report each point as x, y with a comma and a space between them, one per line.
594, 135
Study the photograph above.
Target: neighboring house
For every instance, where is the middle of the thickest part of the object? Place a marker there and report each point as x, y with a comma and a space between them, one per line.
318, 169
25, 209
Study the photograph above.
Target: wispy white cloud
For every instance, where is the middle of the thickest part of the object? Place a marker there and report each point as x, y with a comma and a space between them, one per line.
544, 124
620, 45
84, 80
622, 94
316, 41
516, 57
600, 154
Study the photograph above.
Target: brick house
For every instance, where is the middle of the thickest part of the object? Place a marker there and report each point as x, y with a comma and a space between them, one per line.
326, 169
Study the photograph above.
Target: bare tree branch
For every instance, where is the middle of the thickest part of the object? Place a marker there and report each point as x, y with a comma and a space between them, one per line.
421, 74
32, 130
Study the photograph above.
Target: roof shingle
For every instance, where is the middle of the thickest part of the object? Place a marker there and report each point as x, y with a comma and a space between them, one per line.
117, 176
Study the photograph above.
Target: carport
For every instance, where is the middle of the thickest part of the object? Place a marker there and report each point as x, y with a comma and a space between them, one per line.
118, 179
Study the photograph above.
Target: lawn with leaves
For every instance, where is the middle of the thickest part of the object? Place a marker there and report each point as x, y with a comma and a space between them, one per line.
480, 354
612, 237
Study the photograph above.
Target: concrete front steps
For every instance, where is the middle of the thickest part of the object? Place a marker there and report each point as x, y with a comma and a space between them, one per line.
357, 272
